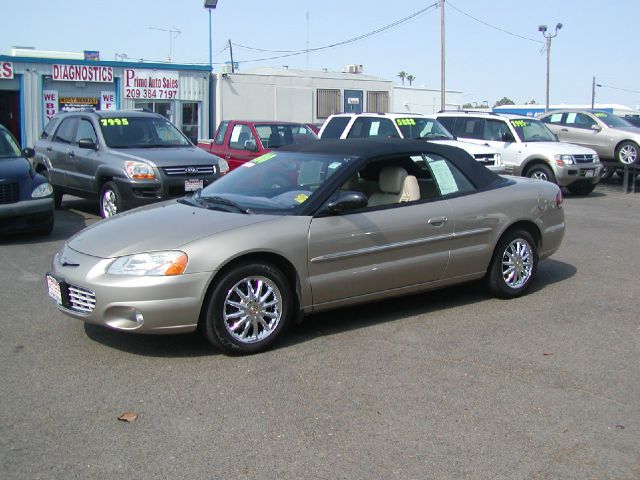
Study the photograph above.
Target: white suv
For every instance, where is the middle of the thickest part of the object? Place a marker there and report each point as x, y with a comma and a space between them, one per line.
399, 125
528, 148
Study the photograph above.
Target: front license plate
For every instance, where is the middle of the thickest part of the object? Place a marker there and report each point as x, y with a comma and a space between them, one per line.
589, 173
193, 185
54, 289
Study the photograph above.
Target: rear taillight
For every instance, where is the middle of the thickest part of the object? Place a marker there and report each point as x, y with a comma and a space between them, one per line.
559, 199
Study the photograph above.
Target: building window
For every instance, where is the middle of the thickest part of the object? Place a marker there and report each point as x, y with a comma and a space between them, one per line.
328, 102
163, 108
190, 116
378, 102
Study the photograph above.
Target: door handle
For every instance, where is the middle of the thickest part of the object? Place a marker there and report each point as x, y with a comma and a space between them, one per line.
564, 130
49, 149
487, 145
227, 157
438, 221
71, 154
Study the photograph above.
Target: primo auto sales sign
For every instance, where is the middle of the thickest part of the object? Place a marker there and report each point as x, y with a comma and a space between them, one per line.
151, 84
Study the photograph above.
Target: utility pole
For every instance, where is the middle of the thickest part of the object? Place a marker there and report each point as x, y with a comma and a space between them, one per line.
171, 31
233, 69
543, 30
443, 105
593, 92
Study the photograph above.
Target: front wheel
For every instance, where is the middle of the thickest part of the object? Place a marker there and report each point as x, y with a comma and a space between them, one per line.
249, 308
627, 153
541, 172
514, 265
110, 200
581, 188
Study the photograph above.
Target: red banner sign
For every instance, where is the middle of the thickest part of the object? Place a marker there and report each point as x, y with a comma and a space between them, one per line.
6, 70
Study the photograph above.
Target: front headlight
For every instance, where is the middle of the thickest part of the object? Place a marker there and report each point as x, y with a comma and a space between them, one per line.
596, 158
563, 159
43, 190
151, 263
223, 165
139, 171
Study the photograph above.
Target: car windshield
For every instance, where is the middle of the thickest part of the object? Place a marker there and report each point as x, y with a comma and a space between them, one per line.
274, 135
275, 183
8, 146
141, 132
611, 120
530, 130
426, 128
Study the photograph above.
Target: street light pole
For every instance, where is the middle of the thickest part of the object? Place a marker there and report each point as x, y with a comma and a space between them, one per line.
543, 30
211, 5
443, 105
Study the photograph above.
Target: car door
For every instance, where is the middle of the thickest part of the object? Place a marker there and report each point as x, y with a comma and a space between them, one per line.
488, 132
83, 162
584, 130
237, 152
60, 151
379, 249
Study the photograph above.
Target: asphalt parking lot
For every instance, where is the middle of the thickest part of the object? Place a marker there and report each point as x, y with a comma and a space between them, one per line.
450, 384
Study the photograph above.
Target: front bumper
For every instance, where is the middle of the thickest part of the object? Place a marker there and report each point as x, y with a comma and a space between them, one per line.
26, 215
578, 173
143, 304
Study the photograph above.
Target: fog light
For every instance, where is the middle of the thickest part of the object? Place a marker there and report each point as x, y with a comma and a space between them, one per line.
139, 318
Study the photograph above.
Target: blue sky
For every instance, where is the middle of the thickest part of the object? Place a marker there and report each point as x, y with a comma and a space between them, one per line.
598, 39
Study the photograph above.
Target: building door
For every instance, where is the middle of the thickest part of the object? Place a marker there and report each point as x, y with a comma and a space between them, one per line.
353, 101
10, 111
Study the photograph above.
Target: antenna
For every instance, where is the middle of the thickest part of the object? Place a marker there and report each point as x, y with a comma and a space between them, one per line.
171, 31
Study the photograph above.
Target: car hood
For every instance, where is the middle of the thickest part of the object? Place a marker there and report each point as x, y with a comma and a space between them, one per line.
561, 148
472, 148
14, 168
167, 157
162, 226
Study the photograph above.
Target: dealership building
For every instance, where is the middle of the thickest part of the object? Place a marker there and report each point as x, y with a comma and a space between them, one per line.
35, 85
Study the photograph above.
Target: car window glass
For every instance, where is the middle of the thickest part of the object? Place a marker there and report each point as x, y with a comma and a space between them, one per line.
8, 146
51, 126
555, 118
239, 135
471, 128
532, 130
422, 128
360, 128
579, 120
64, 134
335, 127
449, 123
141, 132
494, 129
86, 131
448, 179
222, 130
611, 120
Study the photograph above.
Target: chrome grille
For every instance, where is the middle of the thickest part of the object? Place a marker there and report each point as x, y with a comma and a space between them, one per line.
190, 170
487, 159
81, 300
9, 193
583, 158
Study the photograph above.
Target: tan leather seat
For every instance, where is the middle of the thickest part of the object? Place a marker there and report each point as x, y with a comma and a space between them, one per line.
396, 186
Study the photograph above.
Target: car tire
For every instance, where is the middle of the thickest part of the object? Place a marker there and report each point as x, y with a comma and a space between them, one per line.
514, 264
57, 195
581, 188
110, 200
627, 153
248, 309
541, 172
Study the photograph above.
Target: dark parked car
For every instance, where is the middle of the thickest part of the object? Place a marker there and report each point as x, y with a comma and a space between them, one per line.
26, 198
123, 158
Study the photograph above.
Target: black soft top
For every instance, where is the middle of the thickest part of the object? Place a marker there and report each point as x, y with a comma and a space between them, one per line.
371, 148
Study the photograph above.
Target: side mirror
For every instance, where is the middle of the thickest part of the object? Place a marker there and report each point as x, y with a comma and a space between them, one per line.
508, 137
251, 146
349, 200
28, 152
596, 127
88, 144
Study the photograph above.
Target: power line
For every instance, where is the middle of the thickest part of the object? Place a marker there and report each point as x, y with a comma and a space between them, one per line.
618, 88
290, 53
493, 26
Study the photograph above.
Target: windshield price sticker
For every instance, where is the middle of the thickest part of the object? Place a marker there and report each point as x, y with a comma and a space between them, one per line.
301, 198
263, 158
519, 123
405, 121
600, 115
110, 122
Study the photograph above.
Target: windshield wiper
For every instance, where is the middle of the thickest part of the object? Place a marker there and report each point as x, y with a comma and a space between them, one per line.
211, 201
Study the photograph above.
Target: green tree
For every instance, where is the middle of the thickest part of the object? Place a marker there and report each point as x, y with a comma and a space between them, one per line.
402, 76
410, 79
467, 106
504, 101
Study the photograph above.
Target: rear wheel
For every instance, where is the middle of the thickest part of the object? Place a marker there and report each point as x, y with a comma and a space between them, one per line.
581, 188
249, 308
627, 153
541, 172
514, 264
110, 200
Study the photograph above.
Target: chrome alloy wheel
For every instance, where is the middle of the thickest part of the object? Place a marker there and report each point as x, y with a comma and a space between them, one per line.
252, 309
540, 175
628, 154
517, 263
109, 203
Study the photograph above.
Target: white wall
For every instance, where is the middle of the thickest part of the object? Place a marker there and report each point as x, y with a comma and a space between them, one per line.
423, 100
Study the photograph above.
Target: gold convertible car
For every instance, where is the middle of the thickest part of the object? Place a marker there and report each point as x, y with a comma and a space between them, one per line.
304, 229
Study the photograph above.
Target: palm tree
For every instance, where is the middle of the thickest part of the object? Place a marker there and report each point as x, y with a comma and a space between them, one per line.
410, 79
402, 76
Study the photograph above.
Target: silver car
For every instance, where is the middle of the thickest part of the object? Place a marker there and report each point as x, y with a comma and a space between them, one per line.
612, 137
358, 221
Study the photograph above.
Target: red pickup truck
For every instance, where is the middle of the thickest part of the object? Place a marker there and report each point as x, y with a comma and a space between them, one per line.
240, 141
